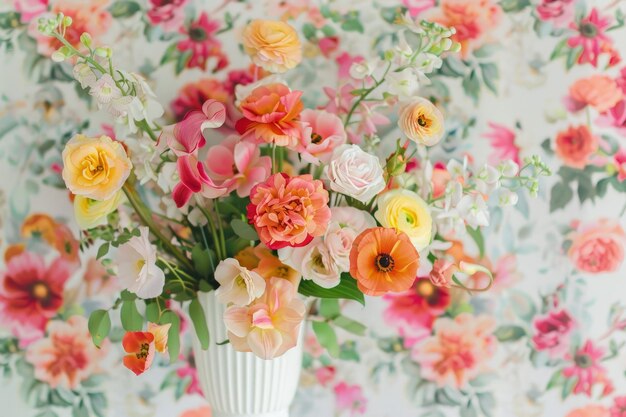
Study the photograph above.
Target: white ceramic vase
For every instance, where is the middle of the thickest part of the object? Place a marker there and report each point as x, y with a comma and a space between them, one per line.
238, 384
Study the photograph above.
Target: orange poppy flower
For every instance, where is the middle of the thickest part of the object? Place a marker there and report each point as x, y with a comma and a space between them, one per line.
140, 348
383, 260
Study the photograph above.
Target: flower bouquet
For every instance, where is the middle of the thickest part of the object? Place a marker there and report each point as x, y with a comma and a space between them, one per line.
253, 212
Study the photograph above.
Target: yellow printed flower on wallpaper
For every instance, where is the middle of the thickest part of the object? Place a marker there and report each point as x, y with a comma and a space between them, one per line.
272, 45
406, 212
95, 168
90, 213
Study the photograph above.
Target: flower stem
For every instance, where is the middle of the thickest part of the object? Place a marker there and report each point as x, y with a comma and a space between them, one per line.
365, 94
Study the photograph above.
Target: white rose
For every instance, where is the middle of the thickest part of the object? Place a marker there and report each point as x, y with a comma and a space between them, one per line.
355, 173
314, 262
345, 225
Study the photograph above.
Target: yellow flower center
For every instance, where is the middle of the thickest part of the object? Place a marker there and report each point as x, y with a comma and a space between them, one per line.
95, 165
40, 291
139, 265
425, 288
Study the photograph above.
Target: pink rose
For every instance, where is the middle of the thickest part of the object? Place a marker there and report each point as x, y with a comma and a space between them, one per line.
559, 12
598, 247
325, 375
552, 332
576, 145
170, 14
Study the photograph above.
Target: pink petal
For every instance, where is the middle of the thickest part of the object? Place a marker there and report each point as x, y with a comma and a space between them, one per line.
215, 113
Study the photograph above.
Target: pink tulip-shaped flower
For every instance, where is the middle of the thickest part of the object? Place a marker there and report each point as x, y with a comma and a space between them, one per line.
269, 327
238, 165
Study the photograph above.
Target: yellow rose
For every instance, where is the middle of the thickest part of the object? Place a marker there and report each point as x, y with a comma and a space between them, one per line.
95, 167
272, 45
406, 212
422, 122
91, 213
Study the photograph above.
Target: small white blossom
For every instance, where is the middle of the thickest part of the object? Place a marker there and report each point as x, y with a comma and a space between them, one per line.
487, 179
507, 197
105, 90
360, 70
137, 268
474, 210
403, 84
508, 168
84, 75
456, 169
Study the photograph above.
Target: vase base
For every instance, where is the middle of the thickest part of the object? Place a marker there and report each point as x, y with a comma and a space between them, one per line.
283, 413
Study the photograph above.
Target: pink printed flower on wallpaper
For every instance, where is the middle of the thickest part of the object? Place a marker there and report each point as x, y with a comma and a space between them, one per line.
193, 95
202, 44
619, 161
503, 144
458, 351
67, 356
598, 247
204, 411
322, 133
472, 19
237, 165
416, 7
350, 398
590, 411
169, 14
189, 371
587, 371
558, 12
592, 38
413, 312
576, 145
325, 375
615, 117
269, 326
618, 409
31, 294
598, 91
553, 331
289, 211
270, 115
29, 9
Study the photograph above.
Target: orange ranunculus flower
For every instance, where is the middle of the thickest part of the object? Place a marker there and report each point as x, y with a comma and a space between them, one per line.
270, 115
272, 45
13, 250
41, 225
140, 347
95, 167
575, 145
598, 91
383, 260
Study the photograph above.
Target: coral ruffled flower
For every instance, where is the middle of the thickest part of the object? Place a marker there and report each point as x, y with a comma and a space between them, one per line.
57, 235
237, 165
272, 45
95, 167
422, 122
598, 247
67, 356
406, 212
322, 133
140, 348
269, 327
592, 411
31, 294
575, 145
270, 115
598, 91
289, 211
383, 260
458, 351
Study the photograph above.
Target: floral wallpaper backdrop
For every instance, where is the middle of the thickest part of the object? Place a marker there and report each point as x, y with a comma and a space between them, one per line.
533, 76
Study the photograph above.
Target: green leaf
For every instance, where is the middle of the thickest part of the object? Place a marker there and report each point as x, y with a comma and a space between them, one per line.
602, 186
350, 325
244, 230
309, 31
560, 49
557, 379
99, 326
124, 8
572, 57
152, 311
103, 250
132, 321
171, 54
509, 333
490, 75
487, 403
61, 397
352, 25
80, 410
47, 413
585, 190
196, 313
9, 20
128, 296
98, 403
477, 236
329, 308
510, 6
173, 335
181, 61
568, 386
486, 50
471, 85
201, 260
327, 337
468, 410
560, 195
347, 289
453, 67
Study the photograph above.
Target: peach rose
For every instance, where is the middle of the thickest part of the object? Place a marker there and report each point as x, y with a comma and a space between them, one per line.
270, 114
95, 167
589, 411
598, 91
575, 145
422, 122
598, 247
272, 45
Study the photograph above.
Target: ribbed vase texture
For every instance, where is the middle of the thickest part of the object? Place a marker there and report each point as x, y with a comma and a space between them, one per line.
238, 384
